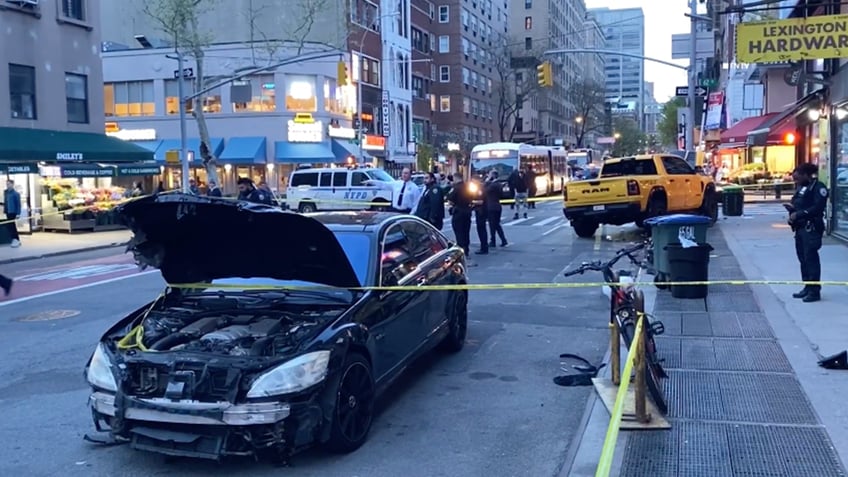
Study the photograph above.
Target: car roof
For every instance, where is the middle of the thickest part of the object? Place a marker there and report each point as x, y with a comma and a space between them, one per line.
331, 169
354, 220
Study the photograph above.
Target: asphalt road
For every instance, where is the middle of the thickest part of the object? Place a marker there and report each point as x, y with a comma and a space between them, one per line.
490, 410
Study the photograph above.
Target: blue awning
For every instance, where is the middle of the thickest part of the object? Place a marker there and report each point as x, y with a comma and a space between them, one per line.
299, 152
149, 145
244, 150
216, 144
343, 149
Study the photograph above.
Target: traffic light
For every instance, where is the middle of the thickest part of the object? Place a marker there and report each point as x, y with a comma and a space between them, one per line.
342, 76
544, 75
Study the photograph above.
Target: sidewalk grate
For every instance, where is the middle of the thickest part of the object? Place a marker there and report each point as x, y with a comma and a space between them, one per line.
694, 395
666, 302
696, 324
765, 398
761, 355
733, 302
697, 354
755, 325
718, 324
701, 449
668, 351
790, 451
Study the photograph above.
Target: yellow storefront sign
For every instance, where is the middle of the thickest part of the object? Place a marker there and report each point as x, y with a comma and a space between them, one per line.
793, 39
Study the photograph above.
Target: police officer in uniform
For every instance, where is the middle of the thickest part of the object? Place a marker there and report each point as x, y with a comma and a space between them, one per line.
461, 200
249, 193
806, 217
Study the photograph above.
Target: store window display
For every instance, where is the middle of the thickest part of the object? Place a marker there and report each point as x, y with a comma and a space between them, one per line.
840, 179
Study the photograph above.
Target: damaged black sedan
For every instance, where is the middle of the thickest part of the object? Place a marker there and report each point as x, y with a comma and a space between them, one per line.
267, 339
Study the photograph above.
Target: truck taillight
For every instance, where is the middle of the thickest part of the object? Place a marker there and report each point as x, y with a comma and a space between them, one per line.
632, 187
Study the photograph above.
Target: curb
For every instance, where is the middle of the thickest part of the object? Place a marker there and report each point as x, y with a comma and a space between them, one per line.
63, 252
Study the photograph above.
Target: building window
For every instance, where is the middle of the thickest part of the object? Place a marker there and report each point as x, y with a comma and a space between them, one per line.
76, 95
466, 105
73, 9
333, 97
432, 102
365, 14
444, 74
528, 43
528, 23
22, 91
444, 13
133, 98
444, 44
444, 104
263, 96
300, 94
528, 4
172, 96
368, 69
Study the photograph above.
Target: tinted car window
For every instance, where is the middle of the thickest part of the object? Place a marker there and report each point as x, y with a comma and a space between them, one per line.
676, 166
629, 167
422, 239
305, 179
326, 179
396, 256
339, 179
358, 178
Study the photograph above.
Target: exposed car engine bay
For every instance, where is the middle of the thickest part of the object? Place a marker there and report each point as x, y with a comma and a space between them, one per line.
251, 332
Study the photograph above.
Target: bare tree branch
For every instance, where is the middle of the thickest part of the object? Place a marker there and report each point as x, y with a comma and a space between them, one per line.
588, 99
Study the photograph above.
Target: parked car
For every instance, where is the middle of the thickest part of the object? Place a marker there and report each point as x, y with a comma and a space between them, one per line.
272, 343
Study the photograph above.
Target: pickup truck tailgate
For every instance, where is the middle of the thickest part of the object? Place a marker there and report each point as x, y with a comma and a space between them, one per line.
611, 190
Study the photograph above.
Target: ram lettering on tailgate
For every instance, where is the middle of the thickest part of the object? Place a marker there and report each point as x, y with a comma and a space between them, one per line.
596, 190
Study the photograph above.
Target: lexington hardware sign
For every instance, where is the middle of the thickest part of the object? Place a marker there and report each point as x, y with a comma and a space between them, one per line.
793, 39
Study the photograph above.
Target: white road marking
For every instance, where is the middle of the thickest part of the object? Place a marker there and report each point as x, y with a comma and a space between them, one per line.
517, 221
79, 287
548, 232
77, 273
542, 223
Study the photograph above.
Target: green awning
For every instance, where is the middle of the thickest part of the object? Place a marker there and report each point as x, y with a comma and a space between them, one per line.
19, 168
21, 144
138, 170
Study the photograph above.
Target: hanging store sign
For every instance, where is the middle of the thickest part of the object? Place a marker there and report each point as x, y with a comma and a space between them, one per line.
18, 168
92, 171
305, 132
340, 132
386, 114
134, 134
793, 39
374, 143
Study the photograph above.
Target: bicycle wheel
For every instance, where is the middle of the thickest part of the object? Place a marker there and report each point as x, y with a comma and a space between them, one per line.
653, 371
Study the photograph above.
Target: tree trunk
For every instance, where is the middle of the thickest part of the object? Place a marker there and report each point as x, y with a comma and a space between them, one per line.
209, 160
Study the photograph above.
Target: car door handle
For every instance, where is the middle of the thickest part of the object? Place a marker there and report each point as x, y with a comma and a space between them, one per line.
671, 180
687, 180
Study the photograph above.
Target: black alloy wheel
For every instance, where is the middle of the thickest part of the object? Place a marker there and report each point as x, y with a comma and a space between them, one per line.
458, 325
354, 410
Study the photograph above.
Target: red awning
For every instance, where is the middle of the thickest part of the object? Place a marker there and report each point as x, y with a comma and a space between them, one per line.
737, 135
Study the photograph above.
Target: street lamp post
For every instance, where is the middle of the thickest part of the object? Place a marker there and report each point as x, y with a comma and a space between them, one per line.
693, 53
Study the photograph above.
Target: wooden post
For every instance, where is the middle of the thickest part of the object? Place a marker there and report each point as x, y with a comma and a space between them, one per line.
615, 352
640, 394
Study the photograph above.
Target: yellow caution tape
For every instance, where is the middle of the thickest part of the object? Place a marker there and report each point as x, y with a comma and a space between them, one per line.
499, 286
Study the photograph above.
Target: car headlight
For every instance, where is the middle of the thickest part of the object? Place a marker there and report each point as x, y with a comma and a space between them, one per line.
473, 187
99, 372
295, 375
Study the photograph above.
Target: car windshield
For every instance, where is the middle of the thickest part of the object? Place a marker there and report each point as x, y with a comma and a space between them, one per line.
380, 175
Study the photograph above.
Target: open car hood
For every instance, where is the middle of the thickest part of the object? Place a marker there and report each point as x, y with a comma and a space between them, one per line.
194, 239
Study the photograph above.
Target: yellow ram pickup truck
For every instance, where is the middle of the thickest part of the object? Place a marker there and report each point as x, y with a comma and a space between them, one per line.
635, 188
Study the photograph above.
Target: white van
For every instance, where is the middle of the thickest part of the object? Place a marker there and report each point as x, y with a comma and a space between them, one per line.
337, 189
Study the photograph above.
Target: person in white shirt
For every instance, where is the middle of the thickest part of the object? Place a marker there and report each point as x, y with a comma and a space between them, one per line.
405, 193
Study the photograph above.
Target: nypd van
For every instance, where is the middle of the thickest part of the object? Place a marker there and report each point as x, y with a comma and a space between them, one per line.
337, 188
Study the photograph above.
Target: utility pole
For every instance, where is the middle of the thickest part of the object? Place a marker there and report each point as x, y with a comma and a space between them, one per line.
693, 75
183, 142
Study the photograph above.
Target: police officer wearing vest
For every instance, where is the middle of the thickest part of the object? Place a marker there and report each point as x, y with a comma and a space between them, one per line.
806, 217
461, 198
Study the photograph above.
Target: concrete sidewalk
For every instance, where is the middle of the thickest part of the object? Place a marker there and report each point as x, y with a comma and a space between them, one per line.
48, 244
745, 394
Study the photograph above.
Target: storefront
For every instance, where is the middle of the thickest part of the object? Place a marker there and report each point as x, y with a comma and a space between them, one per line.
44, 166
732, 153
838, 173
168, 155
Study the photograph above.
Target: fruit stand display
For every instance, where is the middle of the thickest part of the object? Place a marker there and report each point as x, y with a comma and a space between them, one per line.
76, 208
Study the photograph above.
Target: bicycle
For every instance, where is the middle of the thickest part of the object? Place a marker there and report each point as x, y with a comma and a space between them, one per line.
627, 304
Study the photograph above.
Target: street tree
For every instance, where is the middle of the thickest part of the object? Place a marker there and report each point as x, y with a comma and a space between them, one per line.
425, 156
273, 30
629, 137
515, 82
587, 96
667, 126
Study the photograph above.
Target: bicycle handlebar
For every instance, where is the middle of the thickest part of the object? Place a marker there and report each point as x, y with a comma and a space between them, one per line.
599, 266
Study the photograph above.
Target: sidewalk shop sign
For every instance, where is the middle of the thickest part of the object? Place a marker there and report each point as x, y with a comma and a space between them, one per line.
793, 39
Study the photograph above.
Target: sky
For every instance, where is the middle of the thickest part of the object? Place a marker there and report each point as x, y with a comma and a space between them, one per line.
662, 19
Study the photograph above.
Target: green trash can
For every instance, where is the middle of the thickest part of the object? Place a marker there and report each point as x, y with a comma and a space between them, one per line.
732, 201
666, 230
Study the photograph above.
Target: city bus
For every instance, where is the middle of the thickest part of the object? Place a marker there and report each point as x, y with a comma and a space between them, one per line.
583, 157
549, 164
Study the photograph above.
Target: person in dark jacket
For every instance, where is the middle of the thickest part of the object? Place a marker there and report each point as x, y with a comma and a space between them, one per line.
12, 208
249, 193
806, 217
431, 205
213, 190
6, 284
461, 199
494, 209
531, 187
480, 216
518, 184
